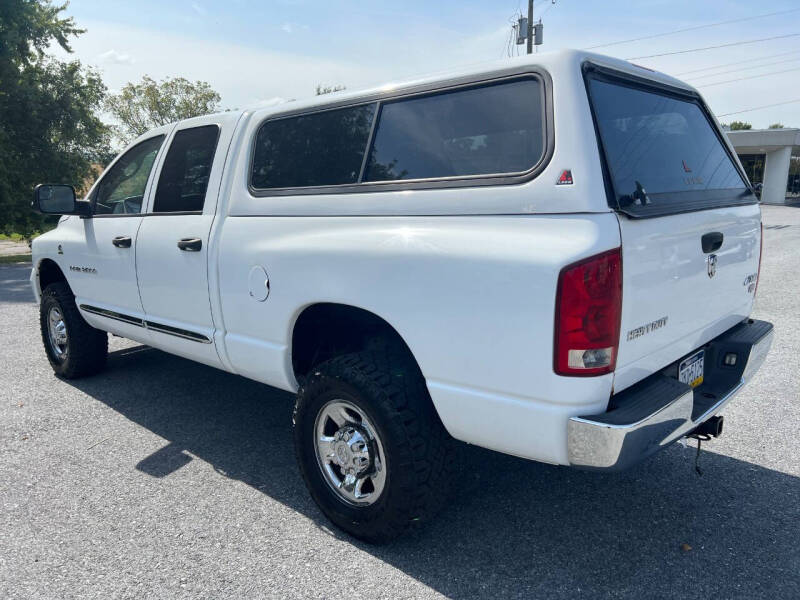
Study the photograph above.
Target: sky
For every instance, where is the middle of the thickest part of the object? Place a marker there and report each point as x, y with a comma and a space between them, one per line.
258, 52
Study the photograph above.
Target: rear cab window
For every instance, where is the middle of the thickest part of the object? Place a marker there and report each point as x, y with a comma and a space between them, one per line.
663, 155
184, 177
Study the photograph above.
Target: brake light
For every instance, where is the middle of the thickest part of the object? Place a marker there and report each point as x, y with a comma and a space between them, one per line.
760, 254
588, 311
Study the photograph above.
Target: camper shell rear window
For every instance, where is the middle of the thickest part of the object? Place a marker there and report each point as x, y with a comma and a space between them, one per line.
662, 152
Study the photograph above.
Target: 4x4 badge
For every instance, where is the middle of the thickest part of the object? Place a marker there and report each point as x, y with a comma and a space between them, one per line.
565, 178
712, 265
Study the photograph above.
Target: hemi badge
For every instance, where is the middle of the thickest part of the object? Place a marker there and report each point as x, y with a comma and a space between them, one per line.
565, 178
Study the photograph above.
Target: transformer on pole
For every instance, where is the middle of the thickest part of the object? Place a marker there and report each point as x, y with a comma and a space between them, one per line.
528, 31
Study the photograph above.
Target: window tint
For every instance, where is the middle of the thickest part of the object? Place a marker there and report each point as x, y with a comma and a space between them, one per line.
324, 148
478, 131
184, 177
121, 190
662, 152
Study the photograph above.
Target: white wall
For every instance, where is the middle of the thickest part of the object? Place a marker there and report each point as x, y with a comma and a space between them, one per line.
776, 175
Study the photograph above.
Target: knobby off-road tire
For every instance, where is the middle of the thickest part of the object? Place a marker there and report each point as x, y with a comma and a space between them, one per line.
387, 401
74, 348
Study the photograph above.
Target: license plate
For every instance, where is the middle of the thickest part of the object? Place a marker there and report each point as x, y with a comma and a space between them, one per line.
690, 370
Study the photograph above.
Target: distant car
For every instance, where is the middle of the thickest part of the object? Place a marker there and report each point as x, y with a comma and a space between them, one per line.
554, 257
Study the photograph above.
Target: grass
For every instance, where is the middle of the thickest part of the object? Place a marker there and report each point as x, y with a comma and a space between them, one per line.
12, 237
15, 258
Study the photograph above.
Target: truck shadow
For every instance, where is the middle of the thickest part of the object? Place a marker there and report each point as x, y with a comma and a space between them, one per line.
514, 528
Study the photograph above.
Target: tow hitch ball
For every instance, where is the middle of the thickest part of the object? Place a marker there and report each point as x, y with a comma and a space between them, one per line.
704, 432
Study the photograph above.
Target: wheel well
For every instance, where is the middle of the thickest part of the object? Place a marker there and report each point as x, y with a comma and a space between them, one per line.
49, 272
325, 330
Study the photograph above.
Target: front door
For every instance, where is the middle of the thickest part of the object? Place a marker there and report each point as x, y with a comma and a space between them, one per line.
172, 247
101, 257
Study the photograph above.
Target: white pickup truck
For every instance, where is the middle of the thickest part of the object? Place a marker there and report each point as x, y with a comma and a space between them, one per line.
554, 257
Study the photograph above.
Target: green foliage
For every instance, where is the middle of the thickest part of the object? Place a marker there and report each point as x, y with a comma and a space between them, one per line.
142, 106
740, 125
329, 89
15, 259
49, 129
28, 27
776, 126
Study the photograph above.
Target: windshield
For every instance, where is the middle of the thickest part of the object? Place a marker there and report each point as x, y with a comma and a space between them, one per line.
662, 152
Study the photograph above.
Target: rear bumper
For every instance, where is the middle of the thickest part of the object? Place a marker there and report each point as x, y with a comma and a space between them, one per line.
660, 409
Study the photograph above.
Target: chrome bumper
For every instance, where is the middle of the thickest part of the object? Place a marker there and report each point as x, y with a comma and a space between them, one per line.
659, 410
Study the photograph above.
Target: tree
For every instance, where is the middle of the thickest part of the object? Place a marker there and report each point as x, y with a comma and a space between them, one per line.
776, 126
740, 125
142, 106
49, 125
329, 89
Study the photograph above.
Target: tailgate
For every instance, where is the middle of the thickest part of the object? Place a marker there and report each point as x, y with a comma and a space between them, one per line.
675, 297
689, 224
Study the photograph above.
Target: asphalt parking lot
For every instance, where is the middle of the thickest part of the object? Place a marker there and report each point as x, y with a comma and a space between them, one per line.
168, 479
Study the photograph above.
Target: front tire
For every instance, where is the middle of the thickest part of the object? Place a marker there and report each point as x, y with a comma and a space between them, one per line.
74, 348
371, 448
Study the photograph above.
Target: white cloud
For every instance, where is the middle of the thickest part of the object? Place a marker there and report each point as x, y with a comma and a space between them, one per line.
199, 9
288, 28
116, 58
259, 75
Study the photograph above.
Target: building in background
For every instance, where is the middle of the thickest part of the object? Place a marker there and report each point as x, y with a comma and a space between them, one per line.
771, 158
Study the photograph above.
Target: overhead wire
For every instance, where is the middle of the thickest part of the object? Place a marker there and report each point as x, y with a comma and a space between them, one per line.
738, 112
777, 62
774, 37
694, 28
750, 77
738, 62
544, 12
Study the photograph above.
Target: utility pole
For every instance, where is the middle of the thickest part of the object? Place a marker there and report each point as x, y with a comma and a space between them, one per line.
529, 33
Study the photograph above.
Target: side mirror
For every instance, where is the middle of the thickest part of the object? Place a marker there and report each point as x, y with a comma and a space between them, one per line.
58, 199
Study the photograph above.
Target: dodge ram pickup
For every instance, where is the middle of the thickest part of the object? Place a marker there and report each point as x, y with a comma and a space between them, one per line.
554, 257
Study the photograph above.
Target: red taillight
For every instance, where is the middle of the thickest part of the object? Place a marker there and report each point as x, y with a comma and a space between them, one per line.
760, 254
588, 308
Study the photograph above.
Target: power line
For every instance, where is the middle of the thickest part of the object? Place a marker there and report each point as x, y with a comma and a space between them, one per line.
750, 77
774, 37
544, 12
777, 62
696, 27
738, 62
738, 112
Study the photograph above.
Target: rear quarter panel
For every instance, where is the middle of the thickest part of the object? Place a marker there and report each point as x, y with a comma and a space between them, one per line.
473, 297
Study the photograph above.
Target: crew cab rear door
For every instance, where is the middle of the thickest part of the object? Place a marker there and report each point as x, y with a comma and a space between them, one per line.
689, 223
172, 247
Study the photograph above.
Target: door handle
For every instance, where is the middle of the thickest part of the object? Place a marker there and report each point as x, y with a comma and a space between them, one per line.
190, 244
122, 241
711, 241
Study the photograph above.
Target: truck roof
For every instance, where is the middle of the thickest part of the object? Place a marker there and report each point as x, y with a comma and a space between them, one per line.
555, 62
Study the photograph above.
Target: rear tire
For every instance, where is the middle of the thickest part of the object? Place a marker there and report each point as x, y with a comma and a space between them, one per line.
74, 348
393, 438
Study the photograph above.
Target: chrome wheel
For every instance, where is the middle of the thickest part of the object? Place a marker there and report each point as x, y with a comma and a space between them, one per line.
58, 332
349, 453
